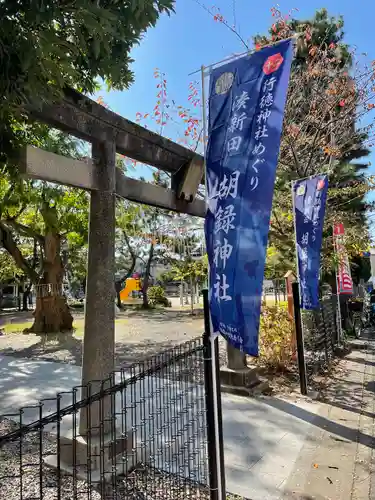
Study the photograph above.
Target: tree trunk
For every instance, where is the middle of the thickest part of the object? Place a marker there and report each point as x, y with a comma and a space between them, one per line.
186, 293
119, 283
25, 300
192, 295
275, 290
146, 278
118, 298
52, 314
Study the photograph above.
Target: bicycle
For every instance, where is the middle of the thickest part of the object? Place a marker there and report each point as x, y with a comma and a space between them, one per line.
357, 323
358, 315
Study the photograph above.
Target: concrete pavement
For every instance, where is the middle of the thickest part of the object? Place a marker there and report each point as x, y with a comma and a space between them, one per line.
338, 462
275, 448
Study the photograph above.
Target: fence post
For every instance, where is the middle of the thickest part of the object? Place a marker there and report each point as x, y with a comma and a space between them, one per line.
299, 338
213, 409
326, 333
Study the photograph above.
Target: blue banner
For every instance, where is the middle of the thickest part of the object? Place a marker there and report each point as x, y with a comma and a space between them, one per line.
310, 197
246, 108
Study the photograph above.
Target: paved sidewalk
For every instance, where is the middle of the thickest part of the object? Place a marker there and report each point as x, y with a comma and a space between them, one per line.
337, 461
275, 448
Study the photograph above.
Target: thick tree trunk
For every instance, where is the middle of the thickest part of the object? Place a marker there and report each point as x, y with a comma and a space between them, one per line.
52, 313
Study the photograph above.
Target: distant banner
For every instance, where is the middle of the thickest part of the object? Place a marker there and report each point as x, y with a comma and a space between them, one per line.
246, 108
310, 197
344, 277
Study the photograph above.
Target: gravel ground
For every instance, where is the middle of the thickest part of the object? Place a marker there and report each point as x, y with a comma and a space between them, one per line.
42, 482
139, 335
143, 483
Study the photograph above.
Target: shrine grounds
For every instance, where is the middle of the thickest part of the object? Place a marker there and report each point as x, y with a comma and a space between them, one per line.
139, 335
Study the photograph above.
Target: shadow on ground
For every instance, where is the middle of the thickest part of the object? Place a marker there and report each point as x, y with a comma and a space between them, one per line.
69, 349
342, 393
347, 395
160, 315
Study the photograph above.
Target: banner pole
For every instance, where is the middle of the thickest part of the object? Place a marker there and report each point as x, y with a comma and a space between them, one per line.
241, 54
294, 346
300, 342
295, 233
339, 320
213, 469
216, 388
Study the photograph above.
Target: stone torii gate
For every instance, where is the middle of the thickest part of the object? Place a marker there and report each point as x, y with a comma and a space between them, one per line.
109, 134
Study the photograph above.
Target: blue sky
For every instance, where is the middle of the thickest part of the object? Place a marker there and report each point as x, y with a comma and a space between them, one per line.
183, 42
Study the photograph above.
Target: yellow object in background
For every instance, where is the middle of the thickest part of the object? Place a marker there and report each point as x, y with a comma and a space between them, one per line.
132, 285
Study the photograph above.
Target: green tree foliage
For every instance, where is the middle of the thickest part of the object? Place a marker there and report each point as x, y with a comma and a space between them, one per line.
44, 48
329, 95
8, 269
275, 337
276, 264
145, 237
49, 218
47, 46
156, 296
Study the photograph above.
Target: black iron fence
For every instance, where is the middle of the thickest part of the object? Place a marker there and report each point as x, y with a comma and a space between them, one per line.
141, 434
320, 334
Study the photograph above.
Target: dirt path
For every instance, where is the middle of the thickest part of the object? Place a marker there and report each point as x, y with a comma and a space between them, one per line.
139, 334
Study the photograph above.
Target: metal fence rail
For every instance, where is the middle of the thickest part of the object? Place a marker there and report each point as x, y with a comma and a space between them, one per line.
145, 438
320, 335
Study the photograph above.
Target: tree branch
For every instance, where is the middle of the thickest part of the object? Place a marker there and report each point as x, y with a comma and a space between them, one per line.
294, 155
24, 230
226, 24
130, 248
7, 197
8, 243
133, 259
312, 152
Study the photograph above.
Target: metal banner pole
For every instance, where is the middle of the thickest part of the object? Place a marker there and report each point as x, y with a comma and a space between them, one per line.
339, 319
297, 267
338, 315
213, 466
300, 343
215, 389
